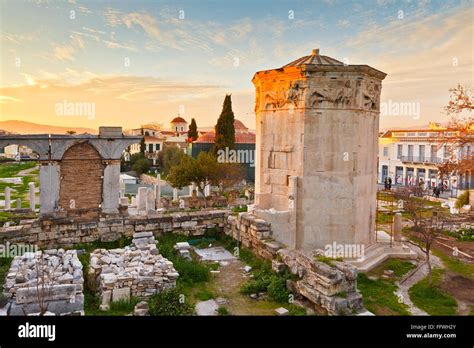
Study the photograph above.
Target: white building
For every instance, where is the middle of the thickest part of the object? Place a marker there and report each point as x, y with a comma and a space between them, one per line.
411, 157
156, 138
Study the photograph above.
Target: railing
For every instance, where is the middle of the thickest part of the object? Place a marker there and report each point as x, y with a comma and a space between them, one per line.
421, 159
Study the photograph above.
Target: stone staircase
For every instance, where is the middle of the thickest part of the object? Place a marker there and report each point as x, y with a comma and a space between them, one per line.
378, 252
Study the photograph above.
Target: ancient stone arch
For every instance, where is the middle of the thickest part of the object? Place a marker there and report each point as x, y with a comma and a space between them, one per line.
81, 176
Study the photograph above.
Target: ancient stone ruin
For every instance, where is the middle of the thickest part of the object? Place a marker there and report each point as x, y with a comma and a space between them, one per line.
49, 281
331, 286
137, 270
316, 151
70, 162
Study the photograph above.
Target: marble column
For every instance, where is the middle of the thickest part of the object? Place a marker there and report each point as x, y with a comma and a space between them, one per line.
31, 186
8, 191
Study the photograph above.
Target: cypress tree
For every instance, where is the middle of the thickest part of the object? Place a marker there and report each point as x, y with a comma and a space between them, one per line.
224, 129
192, 132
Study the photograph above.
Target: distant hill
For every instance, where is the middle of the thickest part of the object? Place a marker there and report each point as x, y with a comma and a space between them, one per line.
22, 127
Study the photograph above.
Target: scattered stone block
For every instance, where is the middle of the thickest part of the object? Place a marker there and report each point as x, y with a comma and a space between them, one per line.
282, 311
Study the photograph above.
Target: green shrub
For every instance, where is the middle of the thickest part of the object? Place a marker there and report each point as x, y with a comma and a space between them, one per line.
254, 286
462, 200
277, 290
169, 302
141, 166
191, 272
222, 311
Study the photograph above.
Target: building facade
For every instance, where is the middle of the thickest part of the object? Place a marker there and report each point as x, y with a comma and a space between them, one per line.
411, 158
156, 138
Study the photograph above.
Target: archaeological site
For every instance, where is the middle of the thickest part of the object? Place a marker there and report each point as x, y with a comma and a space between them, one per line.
164, 161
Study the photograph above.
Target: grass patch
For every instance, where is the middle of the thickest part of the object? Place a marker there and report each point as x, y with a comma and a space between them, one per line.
384, 218
191, 273
398, 266
430, 298
4, 267
455, 266
379, 297
204, 295
328, 260
240, 209
8, 170
119, 308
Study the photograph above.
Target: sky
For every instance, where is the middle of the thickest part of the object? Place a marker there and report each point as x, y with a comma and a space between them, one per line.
129, 63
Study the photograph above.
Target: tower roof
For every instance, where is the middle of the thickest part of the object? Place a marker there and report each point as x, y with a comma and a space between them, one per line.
314, 59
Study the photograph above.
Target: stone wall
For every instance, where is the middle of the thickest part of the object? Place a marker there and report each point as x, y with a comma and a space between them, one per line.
331, 286
253, 233
67, 232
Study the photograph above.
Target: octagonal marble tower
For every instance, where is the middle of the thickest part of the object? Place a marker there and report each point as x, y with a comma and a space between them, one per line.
316, 152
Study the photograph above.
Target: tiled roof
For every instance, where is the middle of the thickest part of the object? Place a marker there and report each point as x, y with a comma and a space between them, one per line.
240, 138
238, 125
314, 59
178, 120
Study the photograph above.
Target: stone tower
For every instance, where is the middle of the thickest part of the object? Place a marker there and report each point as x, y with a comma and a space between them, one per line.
316, 152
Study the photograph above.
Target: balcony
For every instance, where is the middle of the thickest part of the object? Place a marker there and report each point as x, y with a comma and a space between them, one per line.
421, 160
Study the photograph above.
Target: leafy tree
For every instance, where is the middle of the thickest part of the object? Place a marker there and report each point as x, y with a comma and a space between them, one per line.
142, 145
142, 165
201, 171
192, 132
170, 156
224, 129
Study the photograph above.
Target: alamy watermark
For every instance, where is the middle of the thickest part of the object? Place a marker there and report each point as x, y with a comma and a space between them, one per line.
236, 156
12, 250
345, 251
83, 109
405, 109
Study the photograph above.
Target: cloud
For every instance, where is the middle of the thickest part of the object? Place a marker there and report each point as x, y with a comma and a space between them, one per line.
64, 52
119, 99
6, 99
145, 21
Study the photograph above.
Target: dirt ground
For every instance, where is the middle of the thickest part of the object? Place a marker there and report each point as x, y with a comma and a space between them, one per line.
461, 288
227, 284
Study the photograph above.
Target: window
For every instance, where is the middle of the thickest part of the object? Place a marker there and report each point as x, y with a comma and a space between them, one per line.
399, 150
410, 152
434, 151
422, 152
158, 147
385, 151
150, 147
